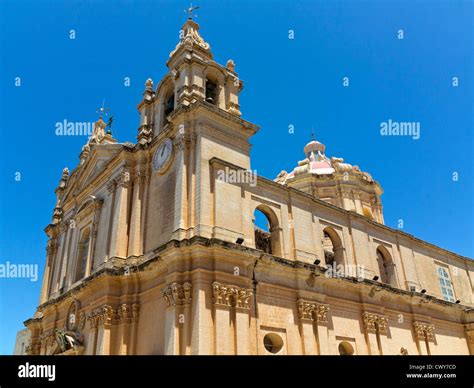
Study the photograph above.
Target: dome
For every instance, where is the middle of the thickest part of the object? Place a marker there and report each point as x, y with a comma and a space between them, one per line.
314, 146
316, 161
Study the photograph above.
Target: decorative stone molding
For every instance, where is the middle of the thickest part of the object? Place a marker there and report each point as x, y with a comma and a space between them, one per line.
111, 186
127, 313
231, 296
76, 351
47, 338
190, 37
177, 294
145, 134
312, 311
124, 179
424, 330
469, 335
33, 349
183, 141
82, 320
375, 322
107, 315
52, 247
64, 226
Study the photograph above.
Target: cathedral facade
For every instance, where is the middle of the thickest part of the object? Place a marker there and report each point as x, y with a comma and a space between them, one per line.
153, 246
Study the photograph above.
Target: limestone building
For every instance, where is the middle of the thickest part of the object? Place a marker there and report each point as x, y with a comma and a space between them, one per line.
153, 248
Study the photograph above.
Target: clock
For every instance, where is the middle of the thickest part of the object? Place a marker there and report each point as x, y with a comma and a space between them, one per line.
162, 155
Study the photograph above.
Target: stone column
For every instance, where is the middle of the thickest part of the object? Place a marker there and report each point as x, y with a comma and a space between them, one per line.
145, 205
242, 321
135, 243
424, 334
375, 325
175, 295
56, 280
202, 328
222, 304
69, 262
119, 238
227, 300
111, 188
103, 319
186, 325
358, 204
321, 319
180, 205
95, 224
91, 340
469, 330
66, 230
305, 324
51, 263
127, 318
312, 324
222, 332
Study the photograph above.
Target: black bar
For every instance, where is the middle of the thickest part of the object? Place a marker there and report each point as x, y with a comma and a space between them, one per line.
138, 371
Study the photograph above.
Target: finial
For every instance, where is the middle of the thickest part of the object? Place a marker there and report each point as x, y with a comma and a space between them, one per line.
230, 65
102, 110
312, 133
190, 11
149, 84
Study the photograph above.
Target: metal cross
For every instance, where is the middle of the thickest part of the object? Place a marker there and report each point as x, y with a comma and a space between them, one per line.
190, 11
102, 110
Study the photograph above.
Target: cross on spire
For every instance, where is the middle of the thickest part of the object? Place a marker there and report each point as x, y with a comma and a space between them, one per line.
103, 110
312, 133
190, 11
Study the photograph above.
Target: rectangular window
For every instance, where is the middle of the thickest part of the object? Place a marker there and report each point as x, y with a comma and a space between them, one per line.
445, 284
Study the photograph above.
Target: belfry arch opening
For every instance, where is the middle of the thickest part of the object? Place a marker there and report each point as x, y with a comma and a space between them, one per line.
212, 88
332, 246
168, 107
386, 266
266, 230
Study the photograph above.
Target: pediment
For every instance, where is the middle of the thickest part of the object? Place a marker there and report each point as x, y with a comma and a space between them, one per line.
93, 166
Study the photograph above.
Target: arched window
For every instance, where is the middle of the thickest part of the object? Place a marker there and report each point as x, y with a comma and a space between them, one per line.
82, 255
386, 266
333, 249
211, 92
266, 230
445, 285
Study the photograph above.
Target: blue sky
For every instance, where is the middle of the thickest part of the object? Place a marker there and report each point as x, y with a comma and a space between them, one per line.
295, 82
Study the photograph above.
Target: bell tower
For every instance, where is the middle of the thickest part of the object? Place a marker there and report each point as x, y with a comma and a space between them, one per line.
195, 110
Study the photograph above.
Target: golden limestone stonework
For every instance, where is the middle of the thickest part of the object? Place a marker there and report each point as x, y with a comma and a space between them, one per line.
153, 248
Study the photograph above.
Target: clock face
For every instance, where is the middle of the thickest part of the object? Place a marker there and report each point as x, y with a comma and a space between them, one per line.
162, 155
